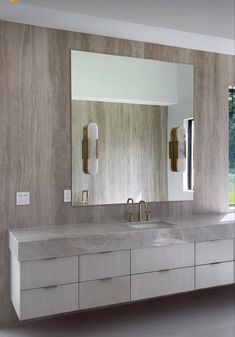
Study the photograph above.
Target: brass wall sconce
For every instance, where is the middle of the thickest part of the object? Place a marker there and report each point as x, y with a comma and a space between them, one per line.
177, 149
90, 149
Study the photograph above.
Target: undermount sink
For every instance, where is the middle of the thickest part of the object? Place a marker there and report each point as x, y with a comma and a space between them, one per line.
149, 224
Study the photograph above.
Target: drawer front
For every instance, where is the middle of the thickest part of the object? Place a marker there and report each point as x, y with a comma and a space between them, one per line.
214, 275
162, 283
41, 273
104, 292
48, 301
214, 251
162, 257
102, 265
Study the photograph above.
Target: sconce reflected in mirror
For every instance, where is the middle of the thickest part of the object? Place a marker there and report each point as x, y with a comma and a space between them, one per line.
177, 149
90, 152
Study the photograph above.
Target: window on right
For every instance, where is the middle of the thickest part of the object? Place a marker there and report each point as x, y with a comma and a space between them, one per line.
231, 197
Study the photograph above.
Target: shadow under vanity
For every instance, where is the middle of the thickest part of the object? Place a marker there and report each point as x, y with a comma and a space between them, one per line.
74, 267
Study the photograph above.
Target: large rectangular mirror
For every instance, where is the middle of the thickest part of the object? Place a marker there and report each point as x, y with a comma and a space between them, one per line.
132, 129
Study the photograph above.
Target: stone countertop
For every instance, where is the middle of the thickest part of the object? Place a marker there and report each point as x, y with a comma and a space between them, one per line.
76, 239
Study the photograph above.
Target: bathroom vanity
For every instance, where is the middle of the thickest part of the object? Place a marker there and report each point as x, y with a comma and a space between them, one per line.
68, 268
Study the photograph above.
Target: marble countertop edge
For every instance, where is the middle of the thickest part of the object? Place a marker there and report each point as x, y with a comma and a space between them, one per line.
78, 239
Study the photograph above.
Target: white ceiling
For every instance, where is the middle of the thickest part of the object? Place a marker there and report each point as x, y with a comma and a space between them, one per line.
196, 24
210, 17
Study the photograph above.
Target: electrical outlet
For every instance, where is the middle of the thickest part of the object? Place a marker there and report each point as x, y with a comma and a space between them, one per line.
67, 196
22, 198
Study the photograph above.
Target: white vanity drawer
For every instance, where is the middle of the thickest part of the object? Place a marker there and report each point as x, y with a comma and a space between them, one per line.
214, 251
41, 273
104, 292
162, 257
101, 265
162, 283
48, 301
213, 275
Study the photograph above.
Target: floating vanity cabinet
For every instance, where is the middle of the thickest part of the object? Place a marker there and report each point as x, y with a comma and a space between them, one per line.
162, 271
51, 286
44, 287
214, 263
104, 279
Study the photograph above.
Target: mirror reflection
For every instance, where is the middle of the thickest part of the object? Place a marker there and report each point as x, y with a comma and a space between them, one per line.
132, 129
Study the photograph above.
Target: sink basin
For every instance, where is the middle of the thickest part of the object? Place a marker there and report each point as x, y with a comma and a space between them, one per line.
149, 224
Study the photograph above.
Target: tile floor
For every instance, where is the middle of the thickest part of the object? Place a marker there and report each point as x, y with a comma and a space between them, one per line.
202, 314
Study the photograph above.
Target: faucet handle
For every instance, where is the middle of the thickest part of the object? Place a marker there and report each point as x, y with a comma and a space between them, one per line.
131, 217
148, 215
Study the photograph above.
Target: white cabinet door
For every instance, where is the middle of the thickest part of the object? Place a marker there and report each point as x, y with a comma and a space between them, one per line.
162, 257
214, 275
104, 292
162, 283
214, 251
48, 301
47, 272
102, 265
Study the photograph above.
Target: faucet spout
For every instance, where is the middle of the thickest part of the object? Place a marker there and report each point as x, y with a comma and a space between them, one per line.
130, 214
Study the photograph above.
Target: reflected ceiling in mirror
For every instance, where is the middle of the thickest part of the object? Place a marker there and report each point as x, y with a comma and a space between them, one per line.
134, 104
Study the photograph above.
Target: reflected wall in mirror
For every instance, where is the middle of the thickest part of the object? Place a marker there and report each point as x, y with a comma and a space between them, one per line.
135, 104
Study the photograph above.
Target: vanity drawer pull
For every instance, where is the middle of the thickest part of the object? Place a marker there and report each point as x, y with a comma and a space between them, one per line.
215, 263
107, 252
105, 279
50, 258
50, 287
164, 270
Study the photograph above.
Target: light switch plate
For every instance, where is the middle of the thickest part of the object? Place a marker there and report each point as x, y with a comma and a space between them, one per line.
67, 196
22, 198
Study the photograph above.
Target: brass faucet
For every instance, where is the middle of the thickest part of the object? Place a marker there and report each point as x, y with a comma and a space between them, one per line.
140, 209
130, 214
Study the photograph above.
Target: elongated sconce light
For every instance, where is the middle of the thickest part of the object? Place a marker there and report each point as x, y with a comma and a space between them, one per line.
90, 151
177, 149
